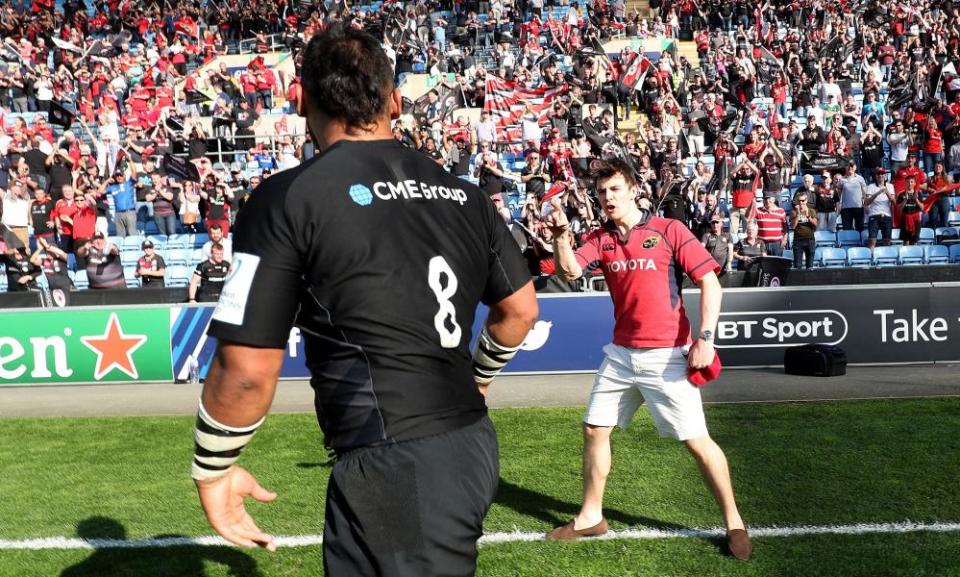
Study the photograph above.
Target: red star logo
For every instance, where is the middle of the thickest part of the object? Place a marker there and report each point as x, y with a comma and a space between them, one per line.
114, 349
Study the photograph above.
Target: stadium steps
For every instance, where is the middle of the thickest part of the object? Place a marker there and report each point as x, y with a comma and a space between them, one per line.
689, 51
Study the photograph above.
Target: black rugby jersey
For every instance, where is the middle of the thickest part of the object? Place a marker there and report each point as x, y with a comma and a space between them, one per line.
212, 277
380, 257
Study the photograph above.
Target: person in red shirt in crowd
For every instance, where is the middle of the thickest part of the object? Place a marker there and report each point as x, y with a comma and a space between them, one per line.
778, 91
265, 84
932, 146
248, 82
910, 170
62, 215
84, 224
772, 225
641, 257
744, 181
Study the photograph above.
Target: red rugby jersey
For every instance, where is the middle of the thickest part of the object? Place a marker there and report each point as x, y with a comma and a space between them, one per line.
644, 273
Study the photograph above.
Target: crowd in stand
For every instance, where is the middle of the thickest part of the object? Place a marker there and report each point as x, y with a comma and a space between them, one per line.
801, 118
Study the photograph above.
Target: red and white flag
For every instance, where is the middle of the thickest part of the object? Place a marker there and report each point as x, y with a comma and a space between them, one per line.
634, 72
507, 101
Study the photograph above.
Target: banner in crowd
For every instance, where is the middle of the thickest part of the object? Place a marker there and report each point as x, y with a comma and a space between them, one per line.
507, 101
85, 346
877, 324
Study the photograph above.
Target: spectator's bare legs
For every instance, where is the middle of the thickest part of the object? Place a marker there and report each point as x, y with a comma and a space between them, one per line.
596, 468
716, 474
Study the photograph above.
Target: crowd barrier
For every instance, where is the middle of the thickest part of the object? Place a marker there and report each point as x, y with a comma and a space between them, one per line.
879, 324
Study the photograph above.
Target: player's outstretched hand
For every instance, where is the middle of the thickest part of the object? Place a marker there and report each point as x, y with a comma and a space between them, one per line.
556, 221
222, 501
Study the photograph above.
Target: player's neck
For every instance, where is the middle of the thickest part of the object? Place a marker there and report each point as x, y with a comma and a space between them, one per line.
629, 221
328, 131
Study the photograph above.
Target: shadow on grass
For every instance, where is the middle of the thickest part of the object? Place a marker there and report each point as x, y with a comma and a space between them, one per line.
180, 561
555, 512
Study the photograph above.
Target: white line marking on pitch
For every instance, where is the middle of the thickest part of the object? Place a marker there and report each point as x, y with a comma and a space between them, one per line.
44, 543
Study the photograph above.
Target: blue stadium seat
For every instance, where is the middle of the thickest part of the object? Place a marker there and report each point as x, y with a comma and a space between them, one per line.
159, 241
911, 255
936, 254
178, 276
131, 242
955, 254
927, 236
847, 238
895, 237
833, 257
200, 239
948, 235
818, 255
825, 238
886, 256
175, 241
788, 253
129, 274
80, 279
953, 218
859, 256
179, 256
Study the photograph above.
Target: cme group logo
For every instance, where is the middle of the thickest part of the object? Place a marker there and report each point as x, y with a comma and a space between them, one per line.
361, 195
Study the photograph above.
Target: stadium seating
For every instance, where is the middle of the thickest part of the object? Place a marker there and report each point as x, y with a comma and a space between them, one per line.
955, 254
178, 256
178, 276
886, 256
859, 256
910, 255
80, 279
129, 275
175, 241
788, 254
927, 236
948, 235
953, 218
895, 237
825, 238
200, 239
833, 257
847, 238
936, 254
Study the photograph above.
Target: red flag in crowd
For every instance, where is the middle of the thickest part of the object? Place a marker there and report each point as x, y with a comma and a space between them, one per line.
506, 101
928, 202
635, 71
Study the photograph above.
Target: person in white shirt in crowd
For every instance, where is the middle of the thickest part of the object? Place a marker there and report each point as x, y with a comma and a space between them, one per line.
878, 209
216, 237
899, 142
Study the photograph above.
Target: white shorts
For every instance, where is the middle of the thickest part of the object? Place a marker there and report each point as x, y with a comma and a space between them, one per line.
628, 377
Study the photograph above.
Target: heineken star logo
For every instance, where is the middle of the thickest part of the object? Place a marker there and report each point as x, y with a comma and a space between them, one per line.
114, 349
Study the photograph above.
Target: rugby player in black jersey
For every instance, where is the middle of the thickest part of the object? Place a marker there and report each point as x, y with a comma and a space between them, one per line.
380, 257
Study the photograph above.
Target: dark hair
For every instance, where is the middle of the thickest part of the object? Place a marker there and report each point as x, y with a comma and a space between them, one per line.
607, 169
216, 246
347, 75
216, 226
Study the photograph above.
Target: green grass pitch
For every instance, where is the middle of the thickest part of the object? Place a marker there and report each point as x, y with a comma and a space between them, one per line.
833, 463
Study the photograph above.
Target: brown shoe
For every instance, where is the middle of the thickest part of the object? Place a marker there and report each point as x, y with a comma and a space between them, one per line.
738, 542
568, 533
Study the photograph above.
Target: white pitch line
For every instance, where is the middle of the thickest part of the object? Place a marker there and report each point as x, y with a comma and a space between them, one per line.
45, 543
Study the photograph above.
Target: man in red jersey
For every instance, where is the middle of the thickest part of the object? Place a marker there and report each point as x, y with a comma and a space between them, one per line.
643, 259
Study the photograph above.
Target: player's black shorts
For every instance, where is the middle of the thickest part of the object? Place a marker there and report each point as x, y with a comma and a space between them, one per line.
413, 508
